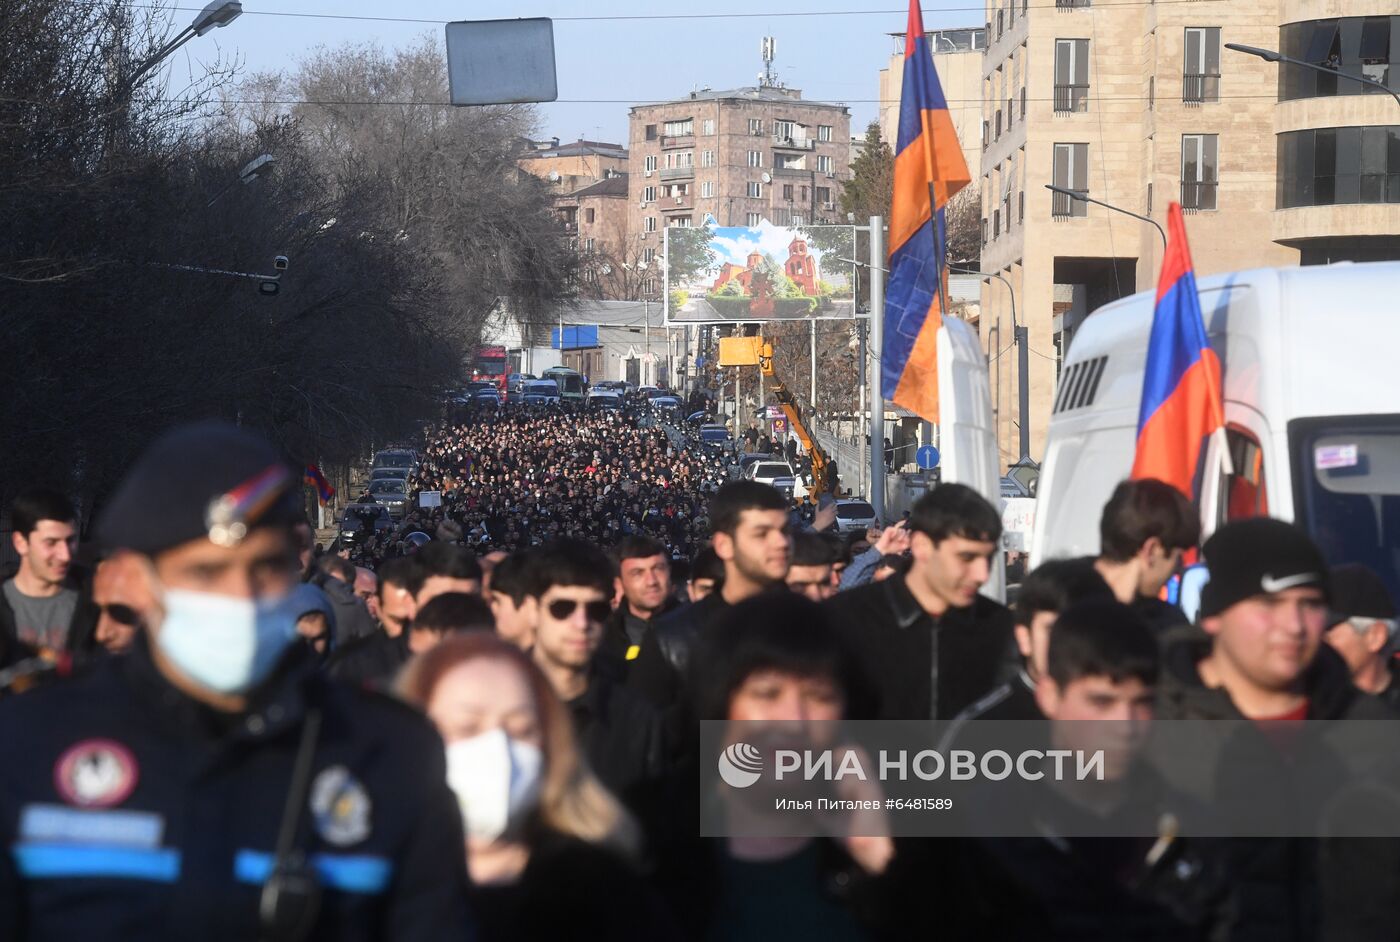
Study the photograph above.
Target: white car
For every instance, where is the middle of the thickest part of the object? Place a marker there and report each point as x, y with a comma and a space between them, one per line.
854, 515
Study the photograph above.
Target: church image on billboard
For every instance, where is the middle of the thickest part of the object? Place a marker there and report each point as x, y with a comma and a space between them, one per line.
765, 272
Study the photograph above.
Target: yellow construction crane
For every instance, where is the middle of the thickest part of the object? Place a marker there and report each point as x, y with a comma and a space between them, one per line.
793, 410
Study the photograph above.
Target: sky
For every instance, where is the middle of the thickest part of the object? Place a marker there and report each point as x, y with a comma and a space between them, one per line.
733, 244
605, 65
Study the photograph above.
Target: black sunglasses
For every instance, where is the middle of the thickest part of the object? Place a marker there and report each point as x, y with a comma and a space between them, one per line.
122, 614
561, 609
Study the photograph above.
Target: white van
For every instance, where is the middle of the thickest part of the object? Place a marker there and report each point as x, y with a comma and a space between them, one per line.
1312, 406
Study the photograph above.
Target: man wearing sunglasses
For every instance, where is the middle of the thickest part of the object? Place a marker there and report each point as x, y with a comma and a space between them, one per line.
619, 732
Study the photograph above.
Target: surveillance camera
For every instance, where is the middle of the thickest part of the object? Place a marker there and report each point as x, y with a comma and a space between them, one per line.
268, 288
281, 262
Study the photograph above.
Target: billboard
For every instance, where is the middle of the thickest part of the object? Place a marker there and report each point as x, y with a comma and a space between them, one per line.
735, 274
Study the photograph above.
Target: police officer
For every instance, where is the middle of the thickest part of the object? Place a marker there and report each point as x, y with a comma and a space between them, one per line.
212, 785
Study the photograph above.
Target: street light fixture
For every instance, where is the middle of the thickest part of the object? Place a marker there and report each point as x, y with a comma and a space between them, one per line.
257, 167
1085, 198
1269, 55
1020, 334
216, 15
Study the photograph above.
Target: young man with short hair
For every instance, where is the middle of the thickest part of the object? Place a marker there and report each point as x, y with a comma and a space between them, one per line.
811, 569
1146, 528
928, 643
619, 732
444, 615
374, 659
38, 605
511, 602
446, 567
752, 540
644, 585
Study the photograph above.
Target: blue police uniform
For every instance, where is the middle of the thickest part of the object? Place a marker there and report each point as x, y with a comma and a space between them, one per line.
130, 811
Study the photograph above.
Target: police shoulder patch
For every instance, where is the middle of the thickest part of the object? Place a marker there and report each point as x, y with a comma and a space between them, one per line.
96, 773
340, 807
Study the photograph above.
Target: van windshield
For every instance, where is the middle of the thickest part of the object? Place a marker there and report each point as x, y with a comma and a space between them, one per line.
1348, 491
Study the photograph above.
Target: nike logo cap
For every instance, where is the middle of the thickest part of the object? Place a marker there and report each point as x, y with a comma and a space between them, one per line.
1262, 556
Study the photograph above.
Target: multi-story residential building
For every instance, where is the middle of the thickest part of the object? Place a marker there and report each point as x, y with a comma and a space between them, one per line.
740, 156
957, 54
570, 167
1140, 105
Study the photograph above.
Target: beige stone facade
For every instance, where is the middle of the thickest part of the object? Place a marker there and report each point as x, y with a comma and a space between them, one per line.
1137, 102
957, 54
569, 167
737, 155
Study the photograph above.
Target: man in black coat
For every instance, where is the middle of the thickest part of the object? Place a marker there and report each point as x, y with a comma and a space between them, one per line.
928, 644
644, 584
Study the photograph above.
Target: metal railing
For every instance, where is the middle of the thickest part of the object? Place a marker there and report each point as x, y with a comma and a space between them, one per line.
1198, 196
1071, 4
1071, 98
794, 143
680, 140
1063, 206
1203, 87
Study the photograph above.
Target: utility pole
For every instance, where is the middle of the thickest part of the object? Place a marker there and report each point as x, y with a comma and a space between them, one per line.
877, 395
812, 400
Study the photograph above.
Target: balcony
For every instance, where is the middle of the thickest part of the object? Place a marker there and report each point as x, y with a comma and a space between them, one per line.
1063, 206
1197, 196
1071, 98
1198, 89
668, 204
793, 143
678, 143
677, 173
792, 172
1071, 4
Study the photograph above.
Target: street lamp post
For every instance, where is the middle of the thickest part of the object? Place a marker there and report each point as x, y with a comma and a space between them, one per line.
216, 15
1269, 55
1085, 198
254, 169
1020, 334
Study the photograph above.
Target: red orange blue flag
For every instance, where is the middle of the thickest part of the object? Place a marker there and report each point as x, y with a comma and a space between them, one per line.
928, 170
312, 475
1181, 400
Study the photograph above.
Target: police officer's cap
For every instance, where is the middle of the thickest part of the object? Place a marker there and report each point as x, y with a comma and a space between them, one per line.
209, 479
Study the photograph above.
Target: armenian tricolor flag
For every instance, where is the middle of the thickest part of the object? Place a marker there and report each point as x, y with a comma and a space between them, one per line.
928, 170
1181, 401
312, 475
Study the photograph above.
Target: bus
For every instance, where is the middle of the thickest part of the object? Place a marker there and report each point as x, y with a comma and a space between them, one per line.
490, 367
570, 382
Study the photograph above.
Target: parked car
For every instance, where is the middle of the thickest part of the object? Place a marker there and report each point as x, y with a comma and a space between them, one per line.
359, 520
716, 435
487, 397
854, 515
540, 392
775, 473
390, 495
516, 381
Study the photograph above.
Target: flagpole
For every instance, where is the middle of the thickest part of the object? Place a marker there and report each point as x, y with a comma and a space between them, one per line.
939, 239
877, 374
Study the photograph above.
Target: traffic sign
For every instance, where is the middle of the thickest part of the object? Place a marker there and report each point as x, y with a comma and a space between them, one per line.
927, 458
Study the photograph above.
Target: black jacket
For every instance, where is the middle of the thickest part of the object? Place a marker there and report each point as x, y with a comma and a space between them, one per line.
371, 661
615, 640
352, 617
130, 811
661, 669
916, 667
621, 734
1286, 888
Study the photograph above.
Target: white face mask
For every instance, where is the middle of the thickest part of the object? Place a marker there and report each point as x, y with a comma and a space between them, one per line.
224, 643
496, 780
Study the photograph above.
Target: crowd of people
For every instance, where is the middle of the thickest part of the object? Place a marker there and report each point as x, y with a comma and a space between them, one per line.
224, 731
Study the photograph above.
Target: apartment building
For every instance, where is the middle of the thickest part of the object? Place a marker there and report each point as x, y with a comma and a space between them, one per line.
572, 166
957, 54
740, 155
1136, 105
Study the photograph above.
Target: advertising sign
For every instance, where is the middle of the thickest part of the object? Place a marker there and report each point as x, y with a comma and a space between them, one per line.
734, 274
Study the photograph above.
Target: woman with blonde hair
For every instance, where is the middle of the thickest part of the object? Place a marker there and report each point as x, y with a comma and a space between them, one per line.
548, 848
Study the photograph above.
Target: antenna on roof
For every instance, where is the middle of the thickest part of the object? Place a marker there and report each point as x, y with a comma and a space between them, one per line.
769, 77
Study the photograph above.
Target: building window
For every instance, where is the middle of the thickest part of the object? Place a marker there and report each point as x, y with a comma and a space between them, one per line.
680, 160
1021, 209
590, 215
752, 220
588, 245
648, 255
707, 188
650, 163
649, 194
787, 192
823, 132
784, 130
651, 132
1071, 171
1149, 199
823, 194
1349, 45
1330, 166
755, 158
997, 136
682, 128
649, 224
796, 220
1198, 171
755, 126
1071, 75
707, 158
826, 164
1200, 79
707, 127
1001, 23
755, 189
986, 135
1151, 91
996, 223
1009, 113
678, 222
